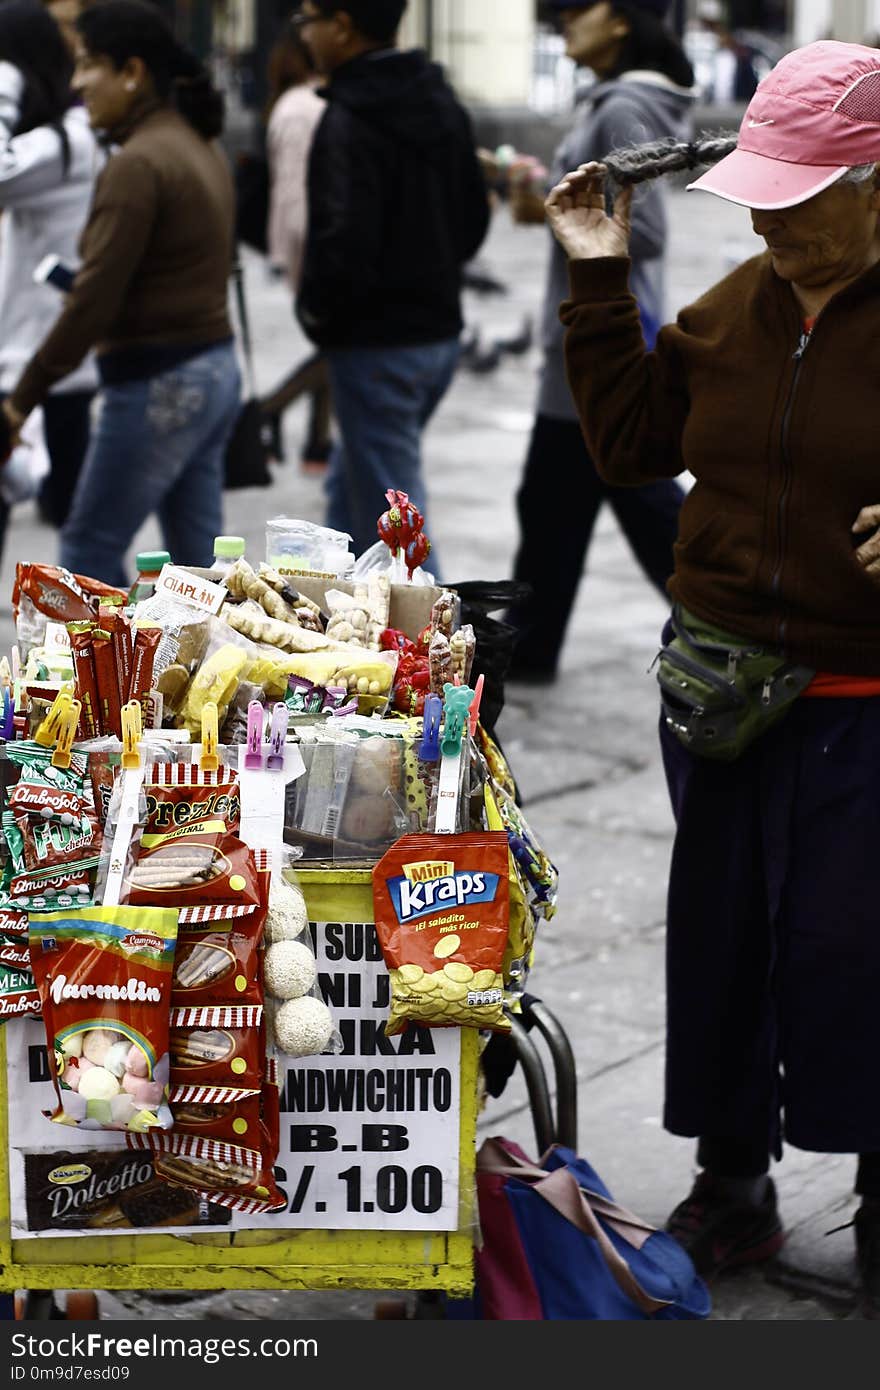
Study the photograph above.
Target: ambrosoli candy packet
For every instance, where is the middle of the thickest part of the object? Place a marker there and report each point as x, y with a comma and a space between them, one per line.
104, 976
442, 912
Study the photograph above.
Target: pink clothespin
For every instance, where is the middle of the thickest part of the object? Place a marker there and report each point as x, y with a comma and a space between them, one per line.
474, 711
277, 738
253, 758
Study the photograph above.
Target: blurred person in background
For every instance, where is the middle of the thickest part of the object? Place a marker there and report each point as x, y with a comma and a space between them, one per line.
397, 206
643, 91
65, 14
294, 112
49, 160
150, 297
730, 70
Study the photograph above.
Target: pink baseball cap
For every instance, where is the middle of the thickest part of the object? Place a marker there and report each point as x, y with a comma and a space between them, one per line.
814, 116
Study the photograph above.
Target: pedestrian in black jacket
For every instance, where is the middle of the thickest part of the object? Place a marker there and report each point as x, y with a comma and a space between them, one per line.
397, 206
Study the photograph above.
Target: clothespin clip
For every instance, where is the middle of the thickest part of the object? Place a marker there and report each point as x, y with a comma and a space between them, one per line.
429, 750
61, 756
16, 666
7, 727
253, 758
277, 738
209, 761
50, 730
474, 715
132, 729
5, 671
458, 700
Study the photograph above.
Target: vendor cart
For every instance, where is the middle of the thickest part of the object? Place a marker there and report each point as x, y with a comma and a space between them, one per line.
366, 1256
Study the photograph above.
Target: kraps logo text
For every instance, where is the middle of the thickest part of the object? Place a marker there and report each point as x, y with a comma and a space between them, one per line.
431, 887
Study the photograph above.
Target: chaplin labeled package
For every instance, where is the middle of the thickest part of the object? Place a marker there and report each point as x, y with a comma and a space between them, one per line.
442, 914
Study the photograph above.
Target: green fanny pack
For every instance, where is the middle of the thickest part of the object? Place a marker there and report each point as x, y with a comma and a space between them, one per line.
720, 692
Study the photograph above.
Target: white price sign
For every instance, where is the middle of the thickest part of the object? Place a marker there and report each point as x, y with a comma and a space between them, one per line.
370, 1136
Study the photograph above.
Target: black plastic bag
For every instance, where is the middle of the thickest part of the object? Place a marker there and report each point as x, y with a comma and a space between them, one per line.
496, 639
247, 453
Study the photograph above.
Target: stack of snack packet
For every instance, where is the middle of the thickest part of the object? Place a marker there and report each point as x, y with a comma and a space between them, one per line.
186, 852
113, 661
18, 990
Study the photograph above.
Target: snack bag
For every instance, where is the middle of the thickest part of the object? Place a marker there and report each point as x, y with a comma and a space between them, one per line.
104, 977
18, 992
216, 1051
183, 851
218, 956
229, 1174
442, 909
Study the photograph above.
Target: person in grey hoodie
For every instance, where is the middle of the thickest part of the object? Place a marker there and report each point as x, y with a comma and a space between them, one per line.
643, 93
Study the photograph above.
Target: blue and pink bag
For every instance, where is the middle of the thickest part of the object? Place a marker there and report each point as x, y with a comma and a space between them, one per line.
555, 1245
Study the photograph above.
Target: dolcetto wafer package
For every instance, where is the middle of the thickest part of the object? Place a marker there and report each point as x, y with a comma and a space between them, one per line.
104, 977
442, 909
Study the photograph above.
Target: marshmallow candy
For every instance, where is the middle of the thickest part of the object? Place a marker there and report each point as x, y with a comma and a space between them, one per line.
97, 1043
98, 1084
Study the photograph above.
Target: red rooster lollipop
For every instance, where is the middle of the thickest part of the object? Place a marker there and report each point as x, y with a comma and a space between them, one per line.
400, 528
417, 552
400, 523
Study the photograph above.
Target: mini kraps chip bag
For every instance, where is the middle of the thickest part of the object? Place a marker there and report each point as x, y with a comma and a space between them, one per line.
442, 907
104, 976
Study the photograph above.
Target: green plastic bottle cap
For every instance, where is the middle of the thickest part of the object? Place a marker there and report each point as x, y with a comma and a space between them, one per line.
229, 547
149, 561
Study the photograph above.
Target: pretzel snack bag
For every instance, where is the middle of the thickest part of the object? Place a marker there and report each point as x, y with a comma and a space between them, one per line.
442, 913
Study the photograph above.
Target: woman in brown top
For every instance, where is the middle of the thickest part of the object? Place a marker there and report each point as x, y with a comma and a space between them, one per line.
765, 389
150, 297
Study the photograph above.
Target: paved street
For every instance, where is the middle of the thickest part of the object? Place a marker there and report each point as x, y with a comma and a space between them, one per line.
585, 754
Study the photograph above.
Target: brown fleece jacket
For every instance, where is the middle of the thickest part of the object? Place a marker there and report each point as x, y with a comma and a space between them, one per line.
156, 253
783, 446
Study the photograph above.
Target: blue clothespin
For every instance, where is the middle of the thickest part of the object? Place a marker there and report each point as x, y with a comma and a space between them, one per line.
7, 727
429, 751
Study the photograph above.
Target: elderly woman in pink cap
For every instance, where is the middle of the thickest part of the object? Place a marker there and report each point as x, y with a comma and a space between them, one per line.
766, 390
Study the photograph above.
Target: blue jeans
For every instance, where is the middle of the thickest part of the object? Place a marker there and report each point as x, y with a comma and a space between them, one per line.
158, 446
383, 399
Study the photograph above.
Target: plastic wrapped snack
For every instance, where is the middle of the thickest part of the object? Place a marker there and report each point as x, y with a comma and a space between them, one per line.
300, 1023
104, 977
362, 616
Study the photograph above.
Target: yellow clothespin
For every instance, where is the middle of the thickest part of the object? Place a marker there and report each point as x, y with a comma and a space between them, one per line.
131, 734
50, 730
61, 756
209, 760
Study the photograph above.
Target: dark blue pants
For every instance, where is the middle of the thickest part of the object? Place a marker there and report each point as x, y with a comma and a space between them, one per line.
158, 446
383, 398
557, 504
773, 946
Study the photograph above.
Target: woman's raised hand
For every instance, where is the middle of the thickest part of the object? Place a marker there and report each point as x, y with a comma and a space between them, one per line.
577, 216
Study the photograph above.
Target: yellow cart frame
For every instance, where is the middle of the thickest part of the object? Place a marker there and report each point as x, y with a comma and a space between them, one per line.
263, 1259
